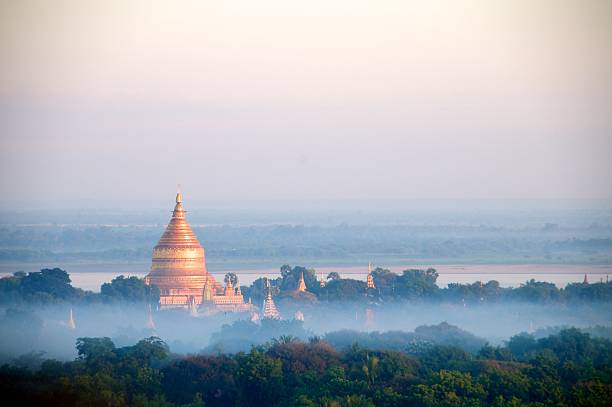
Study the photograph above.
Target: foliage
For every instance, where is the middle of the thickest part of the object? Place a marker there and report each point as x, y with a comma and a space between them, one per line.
413, 285
129, 289
291, 276
231, 277
569, 368
50, 286
45, 286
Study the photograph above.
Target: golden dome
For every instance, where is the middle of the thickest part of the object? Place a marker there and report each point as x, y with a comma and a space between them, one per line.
179, 266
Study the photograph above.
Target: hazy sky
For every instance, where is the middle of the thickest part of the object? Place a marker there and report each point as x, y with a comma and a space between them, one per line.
316, 99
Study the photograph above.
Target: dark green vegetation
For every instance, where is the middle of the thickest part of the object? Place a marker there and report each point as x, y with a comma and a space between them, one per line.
241, 335
567, 369
53, 285
420, 285
50, 286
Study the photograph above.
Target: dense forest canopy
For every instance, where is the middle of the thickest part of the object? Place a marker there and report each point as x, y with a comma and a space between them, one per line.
566, 369
53, 285
287, 363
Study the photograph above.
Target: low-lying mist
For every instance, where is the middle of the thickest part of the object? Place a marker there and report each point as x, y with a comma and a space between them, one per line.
46, 329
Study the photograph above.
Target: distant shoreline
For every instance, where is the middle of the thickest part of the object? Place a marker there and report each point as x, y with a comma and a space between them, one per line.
442, 268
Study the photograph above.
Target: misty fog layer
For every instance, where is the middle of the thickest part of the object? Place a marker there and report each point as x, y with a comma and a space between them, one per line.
44, 328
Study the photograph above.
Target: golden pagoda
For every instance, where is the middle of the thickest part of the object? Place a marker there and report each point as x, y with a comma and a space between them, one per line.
178, 269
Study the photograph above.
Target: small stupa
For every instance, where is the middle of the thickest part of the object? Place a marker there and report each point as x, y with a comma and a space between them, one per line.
299, 315
301, 284
371, 284
255, 317
71, 324
192, 306
269, 308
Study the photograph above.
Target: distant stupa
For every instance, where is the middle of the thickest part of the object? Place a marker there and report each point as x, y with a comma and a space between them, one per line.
255, 317
301, 284
71, 324
269, 308
586, 280
192, 306
299, 315
370, 277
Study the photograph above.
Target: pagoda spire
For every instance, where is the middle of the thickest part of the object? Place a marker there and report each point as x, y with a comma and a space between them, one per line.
269, 308
229, 288
586, 280
71, 323
301, 284
370, 277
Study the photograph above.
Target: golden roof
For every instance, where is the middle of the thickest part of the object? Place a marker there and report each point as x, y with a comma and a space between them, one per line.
178, 262
178, 233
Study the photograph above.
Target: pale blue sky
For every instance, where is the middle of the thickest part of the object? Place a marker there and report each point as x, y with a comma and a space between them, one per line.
109, 100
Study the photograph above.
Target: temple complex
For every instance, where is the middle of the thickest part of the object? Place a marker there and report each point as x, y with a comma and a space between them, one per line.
178, 269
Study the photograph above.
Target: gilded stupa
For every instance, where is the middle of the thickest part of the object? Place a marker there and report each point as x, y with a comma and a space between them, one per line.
178, 269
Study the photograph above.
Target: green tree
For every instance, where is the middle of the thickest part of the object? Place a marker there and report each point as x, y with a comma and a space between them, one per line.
417, 284
129, 289
261, 379
231, 277
333, 276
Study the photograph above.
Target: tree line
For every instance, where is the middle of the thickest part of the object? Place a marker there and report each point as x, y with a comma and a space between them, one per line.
54, 285
569, 368
420, 285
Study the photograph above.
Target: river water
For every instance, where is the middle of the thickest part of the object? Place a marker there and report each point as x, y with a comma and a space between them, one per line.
91, 276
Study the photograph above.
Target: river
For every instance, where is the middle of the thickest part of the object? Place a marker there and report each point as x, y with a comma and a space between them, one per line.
91, 276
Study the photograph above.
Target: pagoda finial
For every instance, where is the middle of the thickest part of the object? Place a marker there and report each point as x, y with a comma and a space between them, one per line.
586, 280
179, 195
